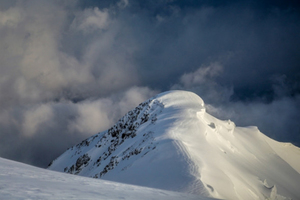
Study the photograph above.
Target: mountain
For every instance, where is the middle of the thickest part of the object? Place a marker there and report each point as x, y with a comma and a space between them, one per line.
21, 181
170, 142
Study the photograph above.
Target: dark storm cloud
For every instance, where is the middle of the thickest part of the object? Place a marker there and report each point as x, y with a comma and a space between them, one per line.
252, 47
71, 68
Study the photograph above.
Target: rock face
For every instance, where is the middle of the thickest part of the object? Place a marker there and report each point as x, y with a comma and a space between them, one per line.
170, 142
104, 151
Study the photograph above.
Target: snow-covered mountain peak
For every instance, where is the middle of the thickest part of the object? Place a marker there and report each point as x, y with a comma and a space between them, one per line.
170, 142
181, 99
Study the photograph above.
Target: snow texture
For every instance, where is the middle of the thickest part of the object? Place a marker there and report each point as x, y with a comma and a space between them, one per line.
170, 142
19, 181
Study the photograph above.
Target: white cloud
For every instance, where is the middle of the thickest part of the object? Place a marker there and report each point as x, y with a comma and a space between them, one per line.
201, 75
30, 48
123, 4
202, 81
134, 96
98, 115
10, 18
92, 117
90, 20
35, 64
35, 117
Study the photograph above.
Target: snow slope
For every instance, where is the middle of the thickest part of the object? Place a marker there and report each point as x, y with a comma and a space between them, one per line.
170, 142
20, 181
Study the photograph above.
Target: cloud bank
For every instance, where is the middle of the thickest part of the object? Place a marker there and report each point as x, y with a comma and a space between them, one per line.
70, 69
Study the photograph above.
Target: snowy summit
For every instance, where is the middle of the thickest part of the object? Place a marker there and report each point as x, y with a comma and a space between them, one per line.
170, 142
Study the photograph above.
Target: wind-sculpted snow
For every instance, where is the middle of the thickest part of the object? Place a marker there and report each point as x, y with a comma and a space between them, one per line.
170, 142
23, 182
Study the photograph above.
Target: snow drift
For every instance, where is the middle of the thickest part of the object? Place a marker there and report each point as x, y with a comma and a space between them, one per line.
20, 181
170, 142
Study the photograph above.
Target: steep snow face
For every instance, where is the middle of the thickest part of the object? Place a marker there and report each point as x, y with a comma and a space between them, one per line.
20, 181
170, 142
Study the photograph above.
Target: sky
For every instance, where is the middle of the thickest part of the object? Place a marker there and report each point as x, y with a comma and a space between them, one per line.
72, 68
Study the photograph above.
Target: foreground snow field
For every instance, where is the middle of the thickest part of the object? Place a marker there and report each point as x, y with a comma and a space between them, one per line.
170, 142
21, 181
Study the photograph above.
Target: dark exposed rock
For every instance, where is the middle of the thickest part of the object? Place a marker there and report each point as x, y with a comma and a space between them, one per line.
108, 142
81, 162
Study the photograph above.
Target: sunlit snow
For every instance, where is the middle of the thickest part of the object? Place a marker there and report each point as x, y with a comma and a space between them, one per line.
170, 142
20, 181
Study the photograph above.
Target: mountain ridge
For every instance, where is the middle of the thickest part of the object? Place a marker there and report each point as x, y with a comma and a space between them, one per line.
170, 142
